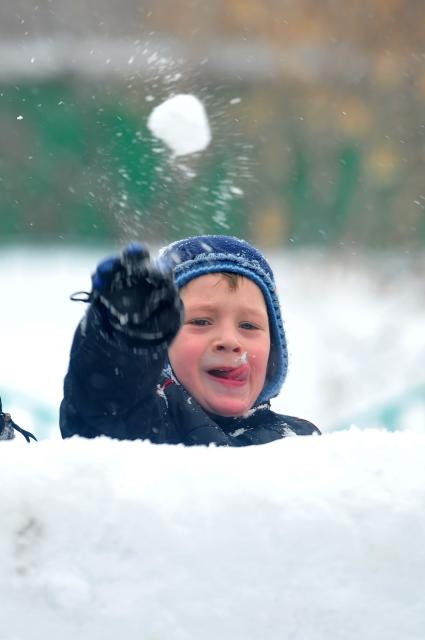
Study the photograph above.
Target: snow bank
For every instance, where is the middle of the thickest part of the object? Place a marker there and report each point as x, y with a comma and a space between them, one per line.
306, 538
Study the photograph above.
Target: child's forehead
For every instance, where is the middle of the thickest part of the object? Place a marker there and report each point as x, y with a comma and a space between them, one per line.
215, 277
228, 284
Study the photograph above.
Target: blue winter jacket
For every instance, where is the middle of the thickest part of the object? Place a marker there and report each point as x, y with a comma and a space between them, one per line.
119, 388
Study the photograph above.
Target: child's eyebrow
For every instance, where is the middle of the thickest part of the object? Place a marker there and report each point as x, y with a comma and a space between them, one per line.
199, 307
205, 307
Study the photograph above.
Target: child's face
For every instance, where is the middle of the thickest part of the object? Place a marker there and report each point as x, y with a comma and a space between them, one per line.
221, 352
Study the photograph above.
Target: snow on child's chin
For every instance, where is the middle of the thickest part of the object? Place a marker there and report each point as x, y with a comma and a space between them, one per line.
182, 124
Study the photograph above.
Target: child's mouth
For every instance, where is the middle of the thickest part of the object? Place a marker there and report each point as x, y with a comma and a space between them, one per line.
233, 374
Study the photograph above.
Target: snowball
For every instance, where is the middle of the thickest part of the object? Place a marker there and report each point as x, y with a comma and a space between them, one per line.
181, 123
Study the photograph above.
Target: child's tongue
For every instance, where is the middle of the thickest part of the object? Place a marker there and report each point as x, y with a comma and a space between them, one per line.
238, 373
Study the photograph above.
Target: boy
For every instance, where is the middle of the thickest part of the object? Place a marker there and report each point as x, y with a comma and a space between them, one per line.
188, 350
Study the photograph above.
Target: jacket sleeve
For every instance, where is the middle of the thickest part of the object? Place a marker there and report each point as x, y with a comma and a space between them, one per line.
111, 382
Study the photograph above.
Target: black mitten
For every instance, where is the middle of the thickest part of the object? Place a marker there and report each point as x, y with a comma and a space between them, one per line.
141, 301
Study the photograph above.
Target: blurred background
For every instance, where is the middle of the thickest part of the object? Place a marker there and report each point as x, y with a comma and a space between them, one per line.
317, 115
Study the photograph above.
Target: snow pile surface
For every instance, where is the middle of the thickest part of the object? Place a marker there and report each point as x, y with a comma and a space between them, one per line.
181, 123
307, 538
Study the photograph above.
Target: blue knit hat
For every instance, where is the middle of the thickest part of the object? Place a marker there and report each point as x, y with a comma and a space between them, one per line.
199, 255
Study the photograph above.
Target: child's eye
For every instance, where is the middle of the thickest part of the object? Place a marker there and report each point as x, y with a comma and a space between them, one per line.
248, 325
199, 322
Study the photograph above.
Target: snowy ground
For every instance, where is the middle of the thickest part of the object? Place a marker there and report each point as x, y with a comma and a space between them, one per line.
303, 539
355, 330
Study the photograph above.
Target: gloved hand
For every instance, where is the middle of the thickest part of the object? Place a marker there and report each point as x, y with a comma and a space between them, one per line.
141, 301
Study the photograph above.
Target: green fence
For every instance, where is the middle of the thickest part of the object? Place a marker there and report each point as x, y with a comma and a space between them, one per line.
77, 164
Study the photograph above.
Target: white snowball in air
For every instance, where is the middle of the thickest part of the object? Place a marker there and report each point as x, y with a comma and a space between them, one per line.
181, 123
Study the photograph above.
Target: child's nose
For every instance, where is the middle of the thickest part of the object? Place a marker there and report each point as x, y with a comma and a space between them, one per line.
227, 343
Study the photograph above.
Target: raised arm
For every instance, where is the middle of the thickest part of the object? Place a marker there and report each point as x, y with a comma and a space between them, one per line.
119, 348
